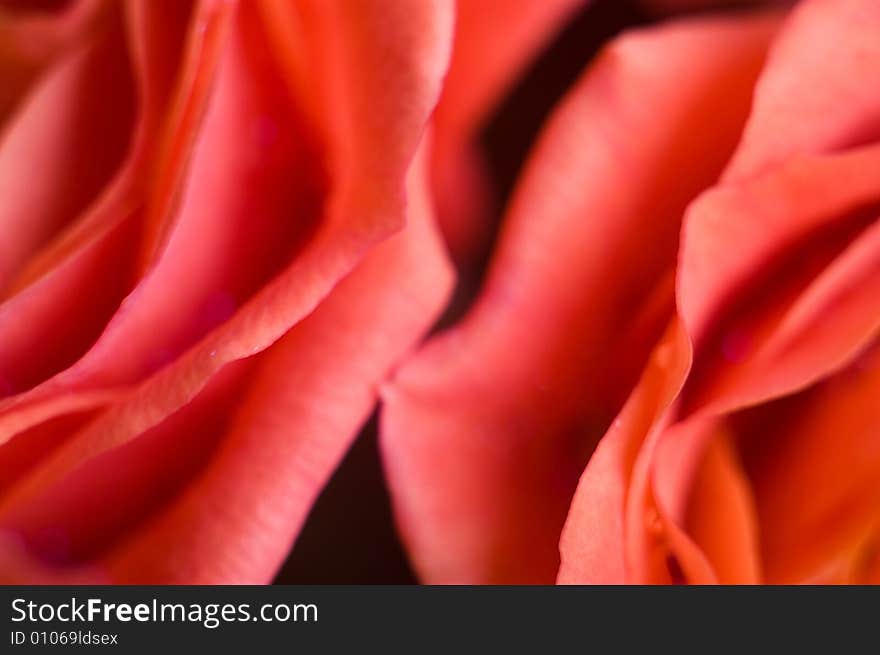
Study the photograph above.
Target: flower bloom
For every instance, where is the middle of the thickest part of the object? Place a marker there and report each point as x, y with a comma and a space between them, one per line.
228, 226
203, 272
671, 373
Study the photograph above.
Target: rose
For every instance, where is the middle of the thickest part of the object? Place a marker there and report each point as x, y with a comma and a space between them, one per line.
182, 435
199, 295
688, 275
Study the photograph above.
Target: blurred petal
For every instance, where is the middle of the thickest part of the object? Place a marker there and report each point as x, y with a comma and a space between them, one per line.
81, 277
67, 141
494, 41
593, 544
82, 293
706, 504
486, 430
819, 90
203, 276
173, 88
245, 472
20, 568
795, 301
814, 461
868, 568
30, 40
802, 285
799, 295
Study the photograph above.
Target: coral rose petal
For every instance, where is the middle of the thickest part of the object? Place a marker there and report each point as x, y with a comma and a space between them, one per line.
818, 446
494, 41
592, 546
705, 502
722, 519
81, 284
29, 41
167, 124
282, 267
244, 472
819, 90
795, 301
486, 431
67, 140
754, 309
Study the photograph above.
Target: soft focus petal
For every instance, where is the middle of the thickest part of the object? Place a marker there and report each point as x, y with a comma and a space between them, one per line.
819, 92
486, 431
174, 69
20, 568
814, 462
30, 40
238, 244
796, 300
798, 296
494, 41
593, 543
707, 525
67, 140
183, 296
267, 455
82, 276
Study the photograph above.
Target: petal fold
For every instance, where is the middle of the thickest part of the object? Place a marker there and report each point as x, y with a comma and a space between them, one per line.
486, 431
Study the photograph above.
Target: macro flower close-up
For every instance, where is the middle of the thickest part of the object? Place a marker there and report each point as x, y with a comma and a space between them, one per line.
439, 291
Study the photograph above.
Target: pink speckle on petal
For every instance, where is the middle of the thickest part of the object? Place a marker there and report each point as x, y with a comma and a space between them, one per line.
735, 346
